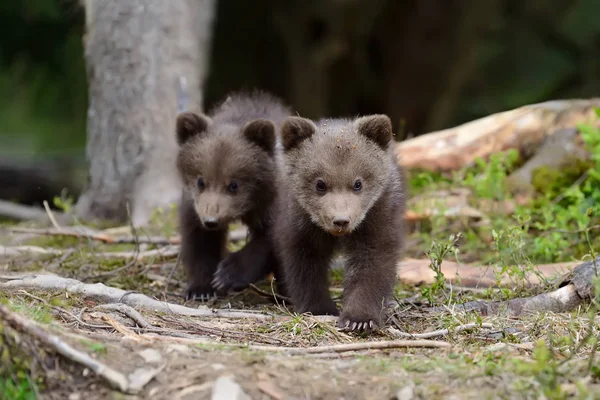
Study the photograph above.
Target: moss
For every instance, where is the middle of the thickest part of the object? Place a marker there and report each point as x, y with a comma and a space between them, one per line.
553, 181
57, 242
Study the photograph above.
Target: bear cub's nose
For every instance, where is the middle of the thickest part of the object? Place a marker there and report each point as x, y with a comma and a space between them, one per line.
210, 222
341, 222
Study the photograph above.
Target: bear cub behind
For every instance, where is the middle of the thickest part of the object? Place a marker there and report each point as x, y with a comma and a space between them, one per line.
226, 162
342, 188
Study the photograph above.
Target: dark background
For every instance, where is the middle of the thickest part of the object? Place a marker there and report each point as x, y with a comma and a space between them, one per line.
429, 64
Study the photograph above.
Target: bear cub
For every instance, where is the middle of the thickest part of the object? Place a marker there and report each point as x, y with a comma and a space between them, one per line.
342, 188
227, 165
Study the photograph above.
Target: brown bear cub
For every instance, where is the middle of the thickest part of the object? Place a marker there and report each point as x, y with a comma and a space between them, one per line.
227, 164
341, 187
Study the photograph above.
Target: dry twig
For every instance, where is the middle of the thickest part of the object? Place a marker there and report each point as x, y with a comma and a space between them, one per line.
438, 333
127, 311
51, 216
121, 329
337, 348
273, 296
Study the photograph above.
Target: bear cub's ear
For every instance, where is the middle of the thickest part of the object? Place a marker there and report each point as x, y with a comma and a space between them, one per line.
377, 128
295, 130
190, 124
262, 133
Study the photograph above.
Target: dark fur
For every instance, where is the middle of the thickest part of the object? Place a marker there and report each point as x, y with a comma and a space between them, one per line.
339, 152
236, 142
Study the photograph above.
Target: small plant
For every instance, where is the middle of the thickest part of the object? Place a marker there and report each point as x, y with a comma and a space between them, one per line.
64, 202
436, 255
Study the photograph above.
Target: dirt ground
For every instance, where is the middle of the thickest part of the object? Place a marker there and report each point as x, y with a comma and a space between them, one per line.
280, 355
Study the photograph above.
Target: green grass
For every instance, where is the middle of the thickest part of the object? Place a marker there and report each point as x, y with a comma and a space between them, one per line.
22, 389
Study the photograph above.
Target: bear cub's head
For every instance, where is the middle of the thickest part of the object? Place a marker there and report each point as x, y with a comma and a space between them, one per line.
337, 169
225, 169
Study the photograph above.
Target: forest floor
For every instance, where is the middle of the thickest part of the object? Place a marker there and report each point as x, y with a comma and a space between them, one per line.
59, 340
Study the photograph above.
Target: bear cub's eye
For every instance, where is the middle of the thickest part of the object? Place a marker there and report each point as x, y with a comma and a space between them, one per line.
321, 187
357, 185
233, 187
200, 183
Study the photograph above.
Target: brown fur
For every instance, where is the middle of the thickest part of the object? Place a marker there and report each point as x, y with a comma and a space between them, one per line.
365, 220
232, 151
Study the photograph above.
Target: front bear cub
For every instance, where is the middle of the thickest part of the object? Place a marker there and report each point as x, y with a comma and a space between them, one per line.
342, 187
227, 164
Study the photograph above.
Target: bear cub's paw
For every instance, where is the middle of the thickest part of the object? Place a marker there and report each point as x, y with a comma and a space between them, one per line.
322, 308
200, 292
231, 274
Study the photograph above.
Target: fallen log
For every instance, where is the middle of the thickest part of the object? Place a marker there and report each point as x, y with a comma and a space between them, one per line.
576, 288
523, 128
107, 294
418, 272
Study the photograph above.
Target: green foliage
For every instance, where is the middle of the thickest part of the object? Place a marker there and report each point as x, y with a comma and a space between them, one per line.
21, 389
557, 224
42, 68
424, 180
488, 179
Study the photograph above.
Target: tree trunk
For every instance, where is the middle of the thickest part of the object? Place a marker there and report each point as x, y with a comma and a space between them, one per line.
136, 52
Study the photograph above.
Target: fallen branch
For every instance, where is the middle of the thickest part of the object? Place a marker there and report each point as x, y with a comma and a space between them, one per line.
438, 333
25, 213
522, 128
113, 377
86, 233
561, 300
106, 294
73, 232
162, 253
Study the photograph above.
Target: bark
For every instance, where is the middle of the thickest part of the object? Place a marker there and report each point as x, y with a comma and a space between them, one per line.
136, 53
524, 128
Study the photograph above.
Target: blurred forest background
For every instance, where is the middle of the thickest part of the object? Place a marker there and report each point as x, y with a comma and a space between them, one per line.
428, 64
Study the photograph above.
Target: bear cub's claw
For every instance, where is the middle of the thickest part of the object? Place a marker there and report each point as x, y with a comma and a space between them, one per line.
353, 324
202, 293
